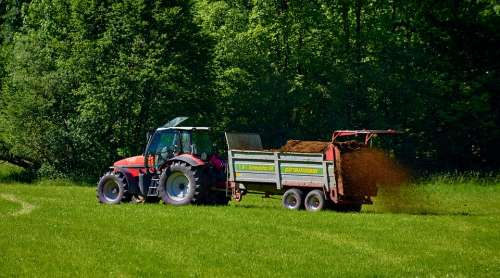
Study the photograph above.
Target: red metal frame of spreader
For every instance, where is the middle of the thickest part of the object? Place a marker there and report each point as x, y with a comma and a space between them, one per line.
367, 132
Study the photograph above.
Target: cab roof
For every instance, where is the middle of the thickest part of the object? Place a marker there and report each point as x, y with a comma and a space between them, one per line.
184, 128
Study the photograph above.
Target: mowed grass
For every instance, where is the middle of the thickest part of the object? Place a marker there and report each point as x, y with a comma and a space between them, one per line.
434, 229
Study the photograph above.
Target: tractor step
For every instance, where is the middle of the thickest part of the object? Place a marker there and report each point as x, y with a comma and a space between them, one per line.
153, 187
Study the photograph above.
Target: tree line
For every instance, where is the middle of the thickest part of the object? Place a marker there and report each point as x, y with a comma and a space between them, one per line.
82, 81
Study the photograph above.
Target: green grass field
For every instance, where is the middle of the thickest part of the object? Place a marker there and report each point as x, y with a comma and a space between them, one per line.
439, 228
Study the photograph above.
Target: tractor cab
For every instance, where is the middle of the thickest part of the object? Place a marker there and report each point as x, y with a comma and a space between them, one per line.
173, 141
169, 142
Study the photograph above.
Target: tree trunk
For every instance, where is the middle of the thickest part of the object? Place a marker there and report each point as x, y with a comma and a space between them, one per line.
19, 161
357, 84
22, 162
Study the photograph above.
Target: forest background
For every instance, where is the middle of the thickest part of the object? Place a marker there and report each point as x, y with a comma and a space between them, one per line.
82, 81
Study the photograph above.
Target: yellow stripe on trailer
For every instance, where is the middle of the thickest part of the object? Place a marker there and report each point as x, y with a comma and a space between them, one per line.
254, 168
283, 169
301, 170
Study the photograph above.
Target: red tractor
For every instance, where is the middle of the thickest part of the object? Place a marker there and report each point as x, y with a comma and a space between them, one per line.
179, 165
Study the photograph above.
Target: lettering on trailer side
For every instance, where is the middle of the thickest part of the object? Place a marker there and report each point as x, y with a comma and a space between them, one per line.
301, 170
254, 167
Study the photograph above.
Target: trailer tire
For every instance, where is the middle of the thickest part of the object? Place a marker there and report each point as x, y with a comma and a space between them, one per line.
314, 201
112, 189
292, 199
180, 184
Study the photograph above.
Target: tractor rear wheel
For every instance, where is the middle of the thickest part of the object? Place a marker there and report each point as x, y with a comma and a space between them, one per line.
112, 189
315, 201
292, 199
181, 184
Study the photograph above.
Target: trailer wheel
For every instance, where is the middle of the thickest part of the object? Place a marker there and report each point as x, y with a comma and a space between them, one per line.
180, 185
315, 200
112, 189
292, 199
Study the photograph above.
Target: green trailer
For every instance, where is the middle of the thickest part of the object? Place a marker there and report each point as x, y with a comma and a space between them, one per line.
306, 180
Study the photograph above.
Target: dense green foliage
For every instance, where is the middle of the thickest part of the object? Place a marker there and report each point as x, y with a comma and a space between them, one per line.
437, 229
82, 81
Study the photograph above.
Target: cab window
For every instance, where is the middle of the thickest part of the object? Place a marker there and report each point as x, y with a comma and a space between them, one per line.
202, 143
168, 139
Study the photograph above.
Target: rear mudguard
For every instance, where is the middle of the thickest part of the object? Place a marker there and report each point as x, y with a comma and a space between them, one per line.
189, 159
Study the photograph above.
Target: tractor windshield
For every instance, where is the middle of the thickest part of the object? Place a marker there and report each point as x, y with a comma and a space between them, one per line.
163, 141
162, 146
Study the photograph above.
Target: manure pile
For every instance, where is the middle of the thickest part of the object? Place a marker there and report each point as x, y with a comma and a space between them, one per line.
298, 146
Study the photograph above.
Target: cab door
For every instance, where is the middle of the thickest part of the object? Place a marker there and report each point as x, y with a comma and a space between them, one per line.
163, 145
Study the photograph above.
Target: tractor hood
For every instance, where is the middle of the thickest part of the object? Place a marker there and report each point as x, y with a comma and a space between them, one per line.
134, 161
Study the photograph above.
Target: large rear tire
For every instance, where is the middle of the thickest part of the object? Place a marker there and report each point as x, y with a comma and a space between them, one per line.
315, 201
181, 184
292, 199
112, 189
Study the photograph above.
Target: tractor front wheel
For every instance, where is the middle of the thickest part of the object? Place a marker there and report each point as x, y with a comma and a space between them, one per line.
181, 184
112, 189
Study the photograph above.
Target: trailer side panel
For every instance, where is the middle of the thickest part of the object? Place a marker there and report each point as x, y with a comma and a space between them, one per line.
282, 169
